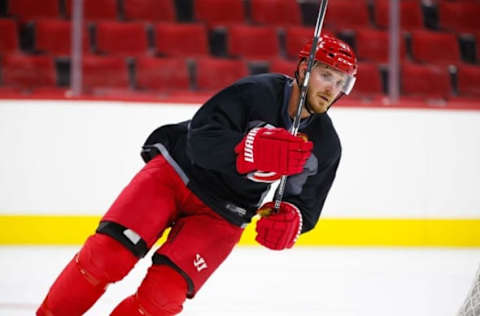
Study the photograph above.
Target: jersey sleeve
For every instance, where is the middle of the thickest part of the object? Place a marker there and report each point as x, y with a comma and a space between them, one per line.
309, 190
216, 128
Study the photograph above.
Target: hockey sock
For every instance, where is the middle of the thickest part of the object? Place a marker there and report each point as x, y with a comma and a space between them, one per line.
102, 260
161, 293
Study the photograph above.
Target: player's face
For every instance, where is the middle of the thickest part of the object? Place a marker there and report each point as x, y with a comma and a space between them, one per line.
324, 86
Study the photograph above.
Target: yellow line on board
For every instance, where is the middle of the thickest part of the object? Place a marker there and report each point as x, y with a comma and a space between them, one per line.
73, 230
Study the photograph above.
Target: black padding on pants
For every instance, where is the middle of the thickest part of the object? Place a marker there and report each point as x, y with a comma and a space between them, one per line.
117, 232
159, 259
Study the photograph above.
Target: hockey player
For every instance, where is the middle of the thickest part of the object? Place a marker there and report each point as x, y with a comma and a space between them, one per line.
206, 178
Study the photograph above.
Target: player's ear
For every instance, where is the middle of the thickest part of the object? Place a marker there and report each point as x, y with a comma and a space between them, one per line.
302, 68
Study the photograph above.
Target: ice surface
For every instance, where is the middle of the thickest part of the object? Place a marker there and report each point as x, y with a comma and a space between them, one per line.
256, 281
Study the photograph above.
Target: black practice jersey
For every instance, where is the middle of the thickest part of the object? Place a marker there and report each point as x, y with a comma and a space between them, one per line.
202, 150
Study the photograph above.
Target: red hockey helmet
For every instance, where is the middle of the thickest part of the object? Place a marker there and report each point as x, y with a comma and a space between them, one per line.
336, 54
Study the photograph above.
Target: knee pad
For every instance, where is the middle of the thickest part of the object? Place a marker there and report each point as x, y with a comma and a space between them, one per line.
162, 292
104, 260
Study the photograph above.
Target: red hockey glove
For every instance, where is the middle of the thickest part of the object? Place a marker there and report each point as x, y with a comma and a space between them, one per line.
272, 150
280, 230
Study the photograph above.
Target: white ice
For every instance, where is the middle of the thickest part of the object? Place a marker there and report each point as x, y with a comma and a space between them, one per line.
255, 281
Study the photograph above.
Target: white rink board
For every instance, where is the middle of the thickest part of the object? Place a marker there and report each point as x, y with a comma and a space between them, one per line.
75, 157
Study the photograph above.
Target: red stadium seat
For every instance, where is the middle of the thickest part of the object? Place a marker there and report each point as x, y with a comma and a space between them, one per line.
49, 92
369, 81
173, 39
469, 80
104, 72
435, 48
123, 39
372, 45
252, 42
215, 73
96, 9
162, 74
459, 16
295, 39
219, 12
28, 71
8, 36
276, 12
425, 80
26, 10
149, 10
8, 92
411, 16
282, 66
54, 36
346, 14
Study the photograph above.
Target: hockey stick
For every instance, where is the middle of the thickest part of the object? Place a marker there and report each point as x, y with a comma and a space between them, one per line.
303, 93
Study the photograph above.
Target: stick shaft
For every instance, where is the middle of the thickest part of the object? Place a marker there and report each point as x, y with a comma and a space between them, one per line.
303, 94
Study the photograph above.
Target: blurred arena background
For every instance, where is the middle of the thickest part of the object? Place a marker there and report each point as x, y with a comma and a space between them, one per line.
82, 84
165, 48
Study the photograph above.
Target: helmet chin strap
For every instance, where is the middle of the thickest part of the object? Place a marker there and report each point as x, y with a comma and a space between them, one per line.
307, 105
341, 94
